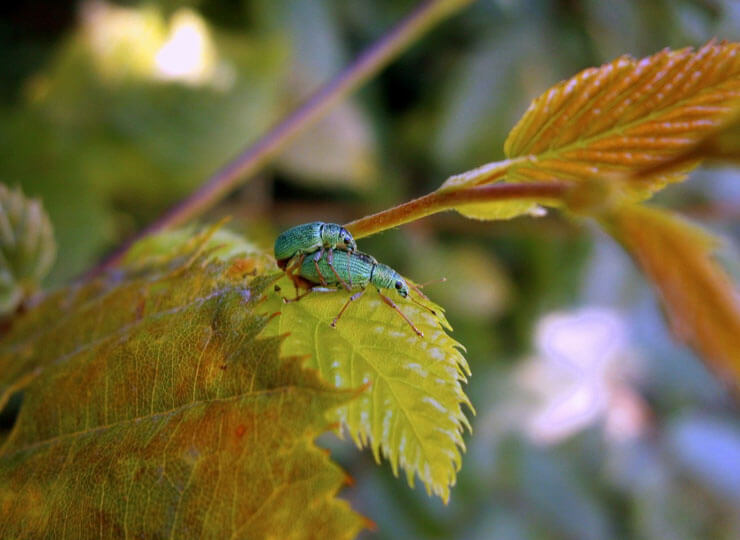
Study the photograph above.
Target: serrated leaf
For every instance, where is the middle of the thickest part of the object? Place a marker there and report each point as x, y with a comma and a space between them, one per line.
698, 297
615, 120
411, 413
626, 114
151, 409
721, 145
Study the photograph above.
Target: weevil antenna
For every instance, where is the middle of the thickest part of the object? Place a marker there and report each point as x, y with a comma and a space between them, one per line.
418, 287
431, 282
422, 305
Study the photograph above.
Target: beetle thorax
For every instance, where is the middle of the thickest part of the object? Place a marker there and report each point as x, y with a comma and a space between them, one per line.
385, 277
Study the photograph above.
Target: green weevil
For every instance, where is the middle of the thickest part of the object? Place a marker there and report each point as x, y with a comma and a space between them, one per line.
293, 245
359, 269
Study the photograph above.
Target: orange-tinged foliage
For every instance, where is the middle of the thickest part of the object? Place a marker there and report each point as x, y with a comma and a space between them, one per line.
151, 409
698, 297
614, 120
626, 115
721, 145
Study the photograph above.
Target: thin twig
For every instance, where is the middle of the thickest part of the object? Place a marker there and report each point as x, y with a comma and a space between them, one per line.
236, 172
438, 201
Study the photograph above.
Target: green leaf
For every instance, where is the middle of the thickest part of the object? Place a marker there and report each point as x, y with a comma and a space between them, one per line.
411, 412
108, 143
152, 409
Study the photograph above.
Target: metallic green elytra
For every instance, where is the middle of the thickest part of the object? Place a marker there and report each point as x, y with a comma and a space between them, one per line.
359, 270
309, 238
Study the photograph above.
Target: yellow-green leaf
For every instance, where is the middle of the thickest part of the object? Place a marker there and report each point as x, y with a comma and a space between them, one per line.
152, 409
411, 412
615, 120
698, 297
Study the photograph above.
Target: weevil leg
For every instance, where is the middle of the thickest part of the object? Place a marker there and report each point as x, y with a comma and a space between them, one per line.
405, 318
346, 305
330, 260
309, 291
316, 259
297, 297
290, 271
294, 263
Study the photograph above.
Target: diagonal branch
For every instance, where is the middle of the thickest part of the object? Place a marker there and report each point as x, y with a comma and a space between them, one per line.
237, 172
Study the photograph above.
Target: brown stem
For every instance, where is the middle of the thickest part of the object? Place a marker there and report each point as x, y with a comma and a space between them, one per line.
438, 201
369, 63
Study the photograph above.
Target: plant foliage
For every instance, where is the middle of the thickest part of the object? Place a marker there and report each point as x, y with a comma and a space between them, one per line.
614, 135
152, 408
700, 301
412, 411
27, 247
615, 120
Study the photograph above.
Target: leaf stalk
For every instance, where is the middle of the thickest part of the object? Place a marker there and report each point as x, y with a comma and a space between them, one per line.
439, 201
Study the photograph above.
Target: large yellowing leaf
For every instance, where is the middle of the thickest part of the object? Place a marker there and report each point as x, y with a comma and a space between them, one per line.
614, 120
698, 297
153, 409
411, 412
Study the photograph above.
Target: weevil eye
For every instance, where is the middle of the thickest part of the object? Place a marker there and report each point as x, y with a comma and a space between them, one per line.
348, 241
399, 285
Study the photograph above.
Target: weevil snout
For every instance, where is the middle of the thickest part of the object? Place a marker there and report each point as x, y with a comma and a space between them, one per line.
402, 288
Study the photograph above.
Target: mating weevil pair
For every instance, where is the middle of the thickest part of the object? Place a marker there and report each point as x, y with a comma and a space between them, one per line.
317, 255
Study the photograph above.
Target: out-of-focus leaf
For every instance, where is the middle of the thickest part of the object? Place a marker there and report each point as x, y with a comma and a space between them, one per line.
412, 411
27, 247
108, 145
475, 285
710, 448
339, 150
488, 91
554, 493
152, 408
615, 119
698, 297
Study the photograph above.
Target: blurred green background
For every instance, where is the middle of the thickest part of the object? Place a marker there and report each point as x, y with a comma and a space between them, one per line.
591, 423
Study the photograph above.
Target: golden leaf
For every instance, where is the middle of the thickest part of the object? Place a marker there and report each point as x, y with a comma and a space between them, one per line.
626, 115
721, 145
698, 297
614, 120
